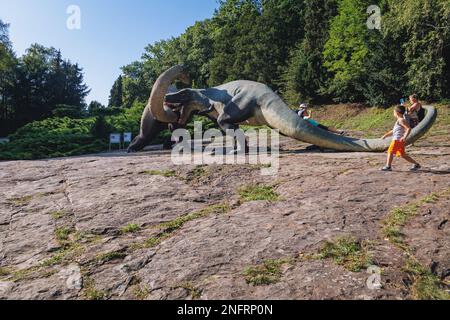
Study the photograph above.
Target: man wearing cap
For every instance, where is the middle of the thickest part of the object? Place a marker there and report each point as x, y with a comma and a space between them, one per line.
306, 114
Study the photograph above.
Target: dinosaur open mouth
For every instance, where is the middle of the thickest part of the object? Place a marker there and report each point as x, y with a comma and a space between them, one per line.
174, 106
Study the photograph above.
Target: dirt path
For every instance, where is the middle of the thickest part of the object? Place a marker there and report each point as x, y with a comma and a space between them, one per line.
138, 227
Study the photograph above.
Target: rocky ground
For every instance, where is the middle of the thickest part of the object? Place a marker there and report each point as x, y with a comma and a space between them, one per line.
138, 227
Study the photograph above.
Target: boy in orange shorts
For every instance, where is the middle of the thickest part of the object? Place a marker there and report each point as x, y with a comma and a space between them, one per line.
400, 133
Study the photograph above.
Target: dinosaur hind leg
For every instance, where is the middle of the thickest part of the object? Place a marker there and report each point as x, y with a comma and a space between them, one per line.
235, 112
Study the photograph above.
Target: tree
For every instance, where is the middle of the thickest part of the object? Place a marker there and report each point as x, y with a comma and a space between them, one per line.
116, 94
95, 108
347, 49
423, 29
33, 86
63, 111
7, 74
305, 75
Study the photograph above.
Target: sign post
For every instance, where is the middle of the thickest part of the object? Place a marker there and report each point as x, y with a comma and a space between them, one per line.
114, 138
127, 138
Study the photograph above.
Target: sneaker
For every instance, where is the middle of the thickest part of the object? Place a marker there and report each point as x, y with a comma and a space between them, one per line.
416, 167
386, 168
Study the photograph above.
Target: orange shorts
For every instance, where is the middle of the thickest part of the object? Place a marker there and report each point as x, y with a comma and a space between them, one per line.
397, 148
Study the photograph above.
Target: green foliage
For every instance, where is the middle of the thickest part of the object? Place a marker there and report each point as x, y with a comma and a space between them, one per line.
167, 174
422, 27
90, 291
258, 193
116, 94
110, 256
38, 85
74, 112
305, 74
265, 274
55, 137
346, 50
62, 137
62, 234
174, 225
95, 108
131, 228
426, 285
347, 252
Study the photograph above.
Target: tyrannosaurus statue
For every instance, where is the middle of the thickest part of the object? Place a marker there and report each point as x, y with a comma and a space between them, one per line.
250, 103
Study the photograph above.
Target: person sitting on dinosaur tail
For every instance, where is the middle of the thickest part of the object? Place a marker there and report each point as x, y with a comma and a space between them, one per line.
306, 114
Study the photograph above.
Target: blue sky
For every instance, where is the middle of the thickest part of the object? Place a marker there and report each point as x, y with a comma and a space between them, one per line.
113, 32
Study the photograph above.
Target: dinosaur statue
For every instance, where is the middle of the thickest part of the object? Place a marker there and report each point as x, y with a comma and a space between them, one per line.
249, 103
150, 126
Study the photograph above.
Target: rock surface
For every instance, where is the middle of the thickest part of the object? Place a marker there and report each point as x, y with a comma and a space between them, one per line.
97, 227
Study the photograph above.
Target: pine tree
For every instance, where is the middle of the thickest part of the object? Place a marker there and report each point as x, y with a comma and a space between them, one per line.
305, 74
116, 94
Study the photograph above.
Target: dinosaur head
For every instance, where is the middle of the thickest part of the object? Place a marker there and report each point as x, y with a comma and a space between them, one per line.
159, 111
187, 101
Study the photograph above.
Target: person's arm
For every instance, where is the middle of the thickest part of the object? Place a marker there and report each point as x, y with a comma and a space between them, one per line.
388, 134
309, 116
415, 107
405, 125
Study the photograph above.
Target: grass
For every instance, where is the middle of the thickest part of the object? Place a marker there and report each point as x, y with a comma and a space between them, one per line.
5, 272
347, 252
58, 214
397, 219
269, 272
196, 174
399, 216
22, 201
426, 285
179, 222
131, 228
166, 173
23, 274
140, 292
110, 256
371, 120
432, 198
72, 249
194, 292
172, 226
62, 234
258, 192
91, 292
155, 241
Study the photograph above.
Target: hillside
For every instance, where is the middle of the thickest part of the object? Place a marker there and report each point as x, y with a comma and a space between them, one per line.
117, 226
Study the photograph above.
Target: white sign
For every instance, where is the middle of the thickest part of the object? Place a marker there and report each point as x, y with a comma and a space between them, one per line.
114, 138
127, 137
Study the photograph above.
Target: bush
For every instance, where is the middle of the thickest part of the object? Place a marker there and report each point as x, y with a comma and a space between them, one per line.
62, 137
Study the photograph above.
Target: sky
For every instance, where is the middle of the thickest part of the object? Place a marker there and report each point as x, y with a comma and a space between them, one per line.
112, 33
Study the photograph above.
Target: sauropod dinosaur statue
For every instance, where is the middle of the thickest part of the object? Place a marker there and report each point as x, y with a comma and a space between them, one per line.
151, 126
251, 103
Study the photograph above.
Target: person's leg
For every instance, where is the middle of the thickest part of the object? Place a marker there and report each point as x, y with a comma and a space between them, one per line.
409, 159
390, 159
334, 130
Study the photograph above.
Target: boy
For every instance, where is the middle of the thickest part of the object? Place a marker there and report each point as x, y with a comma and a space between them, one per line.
400, 133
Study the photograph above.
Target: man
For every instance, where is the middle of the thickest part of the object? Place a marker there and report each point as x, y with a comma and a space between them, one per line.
306, 114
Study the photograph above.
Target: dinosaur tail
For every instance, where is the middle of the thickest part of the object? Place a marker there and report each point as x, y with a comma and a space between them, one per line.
290, 124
